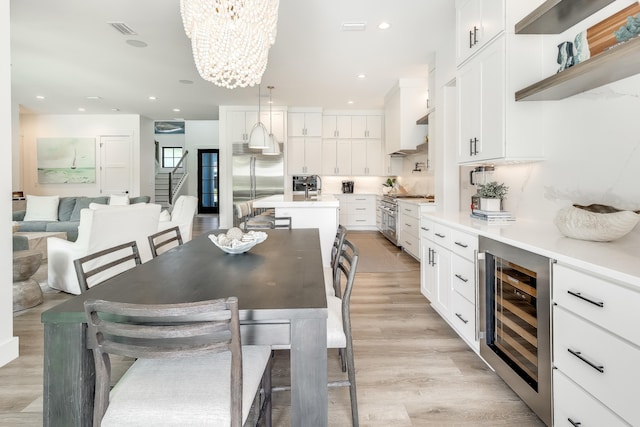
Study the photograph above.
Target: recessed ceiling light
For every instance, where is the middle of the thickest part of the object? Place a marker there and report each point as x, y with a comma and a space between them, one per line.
361, 76
81, 109
354, 26
152, 98
93, 97
39, 97
136, 43
176, 110
115, 109
186, 82
350, 102
384, 26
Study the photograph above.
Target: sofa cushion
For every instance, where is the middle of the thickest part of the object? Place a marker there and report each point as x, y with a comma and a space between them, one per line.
33, 225
42, 208
69, 227
65, 208
140, 199
83, 203
119, 199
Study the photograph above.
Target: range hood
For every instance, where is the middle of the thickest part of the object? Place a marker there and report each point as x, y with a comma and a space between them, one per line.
420, 148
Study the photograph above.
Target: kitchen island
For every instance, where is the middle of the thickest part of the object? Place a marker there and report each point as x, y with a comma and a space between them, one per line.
319, 212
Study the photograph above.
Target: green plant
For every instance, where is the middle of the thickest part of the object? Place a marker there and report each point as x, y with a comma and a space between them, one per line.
493, 190
390, 182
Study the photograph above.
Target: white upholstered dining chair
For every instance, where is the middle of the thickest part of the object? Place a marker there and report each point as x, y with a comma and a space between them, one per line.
191, 368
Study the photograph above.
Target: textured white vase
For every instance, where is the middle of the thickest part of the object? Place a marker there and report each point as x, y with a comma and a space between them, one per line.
490, 204
599, 227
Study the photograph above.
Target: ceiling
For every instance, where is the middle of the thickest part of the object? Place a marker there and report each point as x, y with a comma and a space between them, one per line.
65, 51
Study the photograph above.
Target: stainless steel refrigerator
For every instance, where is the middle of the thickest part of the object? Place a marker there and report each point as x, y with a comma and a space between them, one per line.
254, 174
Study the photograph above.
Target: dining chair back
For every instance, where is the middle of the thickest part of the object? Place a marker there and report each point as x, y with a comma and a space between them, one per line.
330, 272
191, 368
95, 268
159, 241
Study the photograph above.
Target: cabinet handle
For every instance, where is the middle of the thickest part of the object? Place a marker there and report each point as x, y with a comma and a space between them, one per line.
464, 279
475, 35
578, 354
475, 146
470, 39
459, 316
579, 295
425, 229
574, 423
471, 146
442, 236
461, 244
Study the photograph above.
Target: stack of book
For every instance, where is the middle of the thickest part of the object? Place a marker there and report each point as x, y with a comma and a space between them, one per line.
493, 217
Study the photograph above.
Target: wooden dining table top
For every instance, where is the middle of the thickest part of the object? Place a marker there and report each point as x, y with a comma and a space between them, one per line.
279, 277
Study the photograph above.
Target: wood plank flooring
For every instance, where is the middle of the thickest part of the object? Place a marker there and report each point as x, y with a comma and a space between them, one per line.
412, 369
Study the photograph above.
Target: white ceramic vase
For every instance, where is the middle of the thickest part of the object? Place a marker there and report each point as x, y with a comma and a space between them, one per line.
490, 204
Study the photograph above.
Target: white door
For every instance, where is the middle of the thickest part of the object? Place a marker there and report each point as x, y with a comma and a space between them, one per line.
115, 164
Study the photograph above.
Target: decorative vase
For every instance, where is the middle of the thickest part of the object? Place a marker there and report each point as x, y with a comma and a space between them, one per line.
490, 204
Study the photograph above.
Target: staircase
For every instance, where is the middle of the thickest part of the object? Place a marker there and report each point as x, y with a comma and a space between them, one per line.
169, 184
162, 189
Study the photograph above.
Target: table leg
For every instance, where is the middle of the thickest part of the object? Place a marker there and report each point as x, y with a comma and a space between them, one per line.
309, 400
69, 376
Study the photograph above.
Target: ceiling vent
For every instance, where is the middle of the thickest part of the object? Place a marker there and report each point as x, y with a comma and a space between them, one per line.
122, 28
354, 26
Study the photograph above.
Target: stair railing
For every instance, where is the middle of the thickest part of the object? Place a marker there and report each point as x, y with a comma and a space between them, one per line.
177, 177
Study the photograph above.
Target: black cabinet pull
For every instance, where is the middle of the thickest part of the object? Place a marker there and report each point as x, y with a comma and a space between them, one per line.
574, 423
475, 35
577, 354
470, 39
459, 316
461, 244
465, 280
579, 295
442, 236
471, 146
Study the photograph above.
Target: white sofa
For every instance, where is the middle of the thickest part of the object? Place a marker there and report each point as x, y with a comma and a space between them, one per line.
100, 229
182, 213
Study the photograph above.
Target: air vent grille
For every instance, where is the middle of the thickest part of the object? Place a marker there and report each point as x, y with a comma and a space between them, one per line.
122, 28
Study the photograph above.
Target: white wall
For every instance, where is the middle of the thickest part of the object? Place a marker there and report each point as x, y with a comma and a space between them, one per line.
8, 343
33, 127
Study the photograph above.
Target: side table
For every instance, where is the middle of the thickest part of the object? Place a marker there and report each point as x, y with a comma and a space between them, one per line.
26, 291
38, 239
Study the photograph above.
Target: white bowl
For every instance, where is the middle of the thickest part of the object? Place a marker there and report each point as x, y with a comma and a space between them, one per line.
597, 227
235, 247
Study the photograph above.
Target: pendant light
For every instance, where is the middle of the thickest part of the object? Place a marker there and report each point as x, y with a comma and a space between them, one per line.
273, 148
258, 138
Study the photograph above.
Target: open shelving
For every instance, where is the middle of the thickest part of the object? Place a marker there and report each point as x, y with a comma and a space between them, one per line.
555, 16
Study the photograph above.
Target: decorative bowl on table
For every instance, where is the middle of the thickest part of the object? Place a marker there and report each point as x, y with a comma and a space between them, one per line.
597, 223
234, 241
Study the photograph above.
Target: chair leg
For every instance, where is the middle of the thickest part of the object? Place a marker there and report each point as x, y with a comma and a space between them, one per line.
343, 359
265, 404
351, 374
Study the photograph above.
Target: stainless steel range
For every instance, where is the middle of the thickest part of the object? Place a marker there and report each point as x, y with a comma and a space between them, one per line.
388, 207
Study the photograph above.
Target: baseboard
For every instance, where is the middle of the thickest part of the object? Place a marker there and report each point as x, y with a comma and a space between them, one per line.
8, 351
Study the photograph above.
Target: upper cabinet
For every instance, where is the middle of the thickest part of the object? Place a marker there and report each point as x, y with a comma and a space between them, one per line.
240, 124
366, 127
555, 16
304, 124
405, 102
336, 126
477, 22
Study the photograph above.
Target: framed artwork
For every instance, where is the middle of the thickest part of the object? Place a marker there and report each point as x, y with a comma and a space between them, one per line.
66, 160
169, 127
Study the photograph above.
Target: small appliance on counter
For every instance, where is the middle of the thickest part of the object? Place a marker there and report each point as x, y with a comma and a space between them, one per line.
303, 183
347, 186
482, 175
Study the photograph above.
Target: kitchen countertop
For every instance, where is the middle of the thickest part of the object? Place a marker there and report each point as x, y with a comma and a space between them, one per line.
417, 201
289, 201
617, 260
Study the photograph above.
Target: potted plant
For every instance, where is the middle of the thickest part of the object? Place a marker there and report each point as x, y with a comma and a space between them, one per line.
390, 184
491, 195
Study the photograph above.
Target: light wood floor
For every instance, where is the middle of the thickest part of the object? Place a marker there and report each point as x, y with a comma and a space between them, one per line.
412, 369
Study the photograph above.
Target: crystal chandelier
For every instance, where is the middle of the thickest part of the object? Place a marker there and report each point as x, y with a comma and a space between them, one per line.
230, 39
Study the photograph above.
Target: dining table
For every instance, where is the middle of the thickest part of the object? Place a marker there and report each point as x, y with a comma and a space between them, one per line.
280, 289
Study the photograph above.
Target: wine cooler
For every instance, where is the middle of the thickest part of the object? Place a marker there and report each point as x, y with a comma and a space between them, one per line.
515, 324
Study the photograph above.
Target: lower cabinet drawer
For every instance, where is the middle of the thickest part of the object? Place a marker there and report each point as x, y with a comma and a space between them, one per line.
572, 406
463, 277
463, 316
601, 363
410, 226
411, 244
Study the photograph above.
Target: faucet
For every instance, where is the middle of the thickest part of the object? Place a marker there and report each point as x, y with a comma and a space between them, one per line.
319, 184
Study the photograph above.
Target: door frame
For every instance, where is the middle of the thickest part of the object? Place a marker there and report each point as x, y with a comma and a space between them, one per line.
208, 209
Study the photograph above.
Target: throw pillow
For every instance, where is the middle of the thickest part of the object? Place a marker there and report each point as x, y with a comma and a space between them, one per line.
42, 208
119, 199
83, 203
165, 216
65, 208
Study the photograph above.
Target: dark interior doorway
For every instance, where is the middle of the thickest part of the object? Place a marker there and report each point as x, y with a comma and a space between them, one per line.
208, 181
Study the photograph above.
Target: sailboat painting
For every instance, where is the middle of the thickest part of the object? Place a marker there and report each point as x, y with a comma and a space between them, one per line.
66, 160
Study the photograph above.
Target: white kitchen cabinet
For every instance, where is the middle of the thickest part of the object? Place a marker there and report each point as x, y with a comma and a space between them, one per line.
336, 126
477, 22
304, 156
403, 105
491, 125
336, 157
307, 124
274, 122
366, 157
408, 225
240, 124
358, 211
596, 345
366, 127
427, 278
